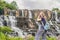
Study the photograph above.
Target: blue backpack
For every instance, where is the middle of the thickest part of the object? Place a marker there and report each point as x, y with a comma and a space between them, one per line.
47, 26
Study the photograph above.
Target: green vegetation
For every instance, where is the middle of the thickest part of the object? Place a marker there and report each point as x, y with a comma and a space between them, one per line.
4, 36
55, 9
11, 5
5, 29
4, 4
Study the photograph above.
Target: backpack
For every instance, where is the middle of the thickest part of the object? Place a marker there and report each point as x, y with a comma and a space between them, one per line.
46, 26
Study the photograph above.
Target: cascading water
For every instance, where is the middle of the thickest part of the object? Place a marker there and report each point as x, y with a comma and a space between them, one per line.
56, 22
1, 20
11, 22
13, 26
22, 13
56, 17
50, 22
38, 24
11, 13
30, 14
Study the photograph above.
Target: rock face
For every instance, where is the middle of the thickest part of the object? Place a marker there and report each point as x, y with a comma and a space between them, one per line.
25, 17
47, 13
58, 15
27, 25
6, 11
22, 22
26, 13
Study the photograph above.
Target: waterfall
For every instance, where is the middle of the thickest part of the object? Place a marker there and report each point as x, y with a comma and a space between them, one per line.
13, 26
39, 25
1, 21
6, 19
30, 14
57, 28
11, 13
50, 22
22, 13
56, 17
57, 21
12, 22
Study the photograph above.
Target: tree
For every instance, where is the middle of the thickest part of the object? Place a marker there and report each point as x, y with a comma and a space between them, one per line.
4, 4
14, 4
55, 9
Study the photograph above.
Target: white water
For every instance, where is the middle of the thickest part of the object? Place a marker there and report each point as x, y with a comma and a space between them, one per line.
22, 13
30, 14
13, 26
57, 21
12, 22
10, 13
39, 25
1, 21
56, 17
50, 22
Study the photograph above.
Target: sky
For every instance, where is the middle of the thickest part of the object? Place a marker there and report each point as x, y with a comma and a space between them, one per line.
37, 4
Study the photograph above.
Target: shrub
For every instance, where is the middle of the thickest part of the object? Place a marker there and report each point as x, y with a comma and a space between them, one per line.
2, 36
6, 37
5, 29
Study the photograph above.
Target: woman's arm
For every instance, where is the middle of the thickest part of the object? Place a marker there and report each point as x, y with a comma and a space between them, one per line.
38, 18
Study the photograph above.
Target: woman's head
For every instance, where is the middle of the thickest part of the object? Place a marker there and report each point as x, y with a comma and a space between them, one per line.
42, 15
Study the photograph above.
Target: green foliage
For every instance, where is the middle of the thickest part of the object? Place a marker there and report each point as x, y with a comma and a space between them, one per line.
6, 37
58, 12
51, 38
14, 4
10, 6
15, 38
4, 4
2, 36
55, 9
31, 38
5, 29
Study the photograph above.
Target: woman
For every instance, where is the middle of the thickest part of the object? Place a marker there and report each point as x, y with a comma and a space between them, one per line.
41, 32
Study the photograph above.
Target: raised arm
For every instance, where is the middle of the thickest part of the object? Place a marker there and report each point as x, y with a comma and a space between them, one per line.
39, 18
